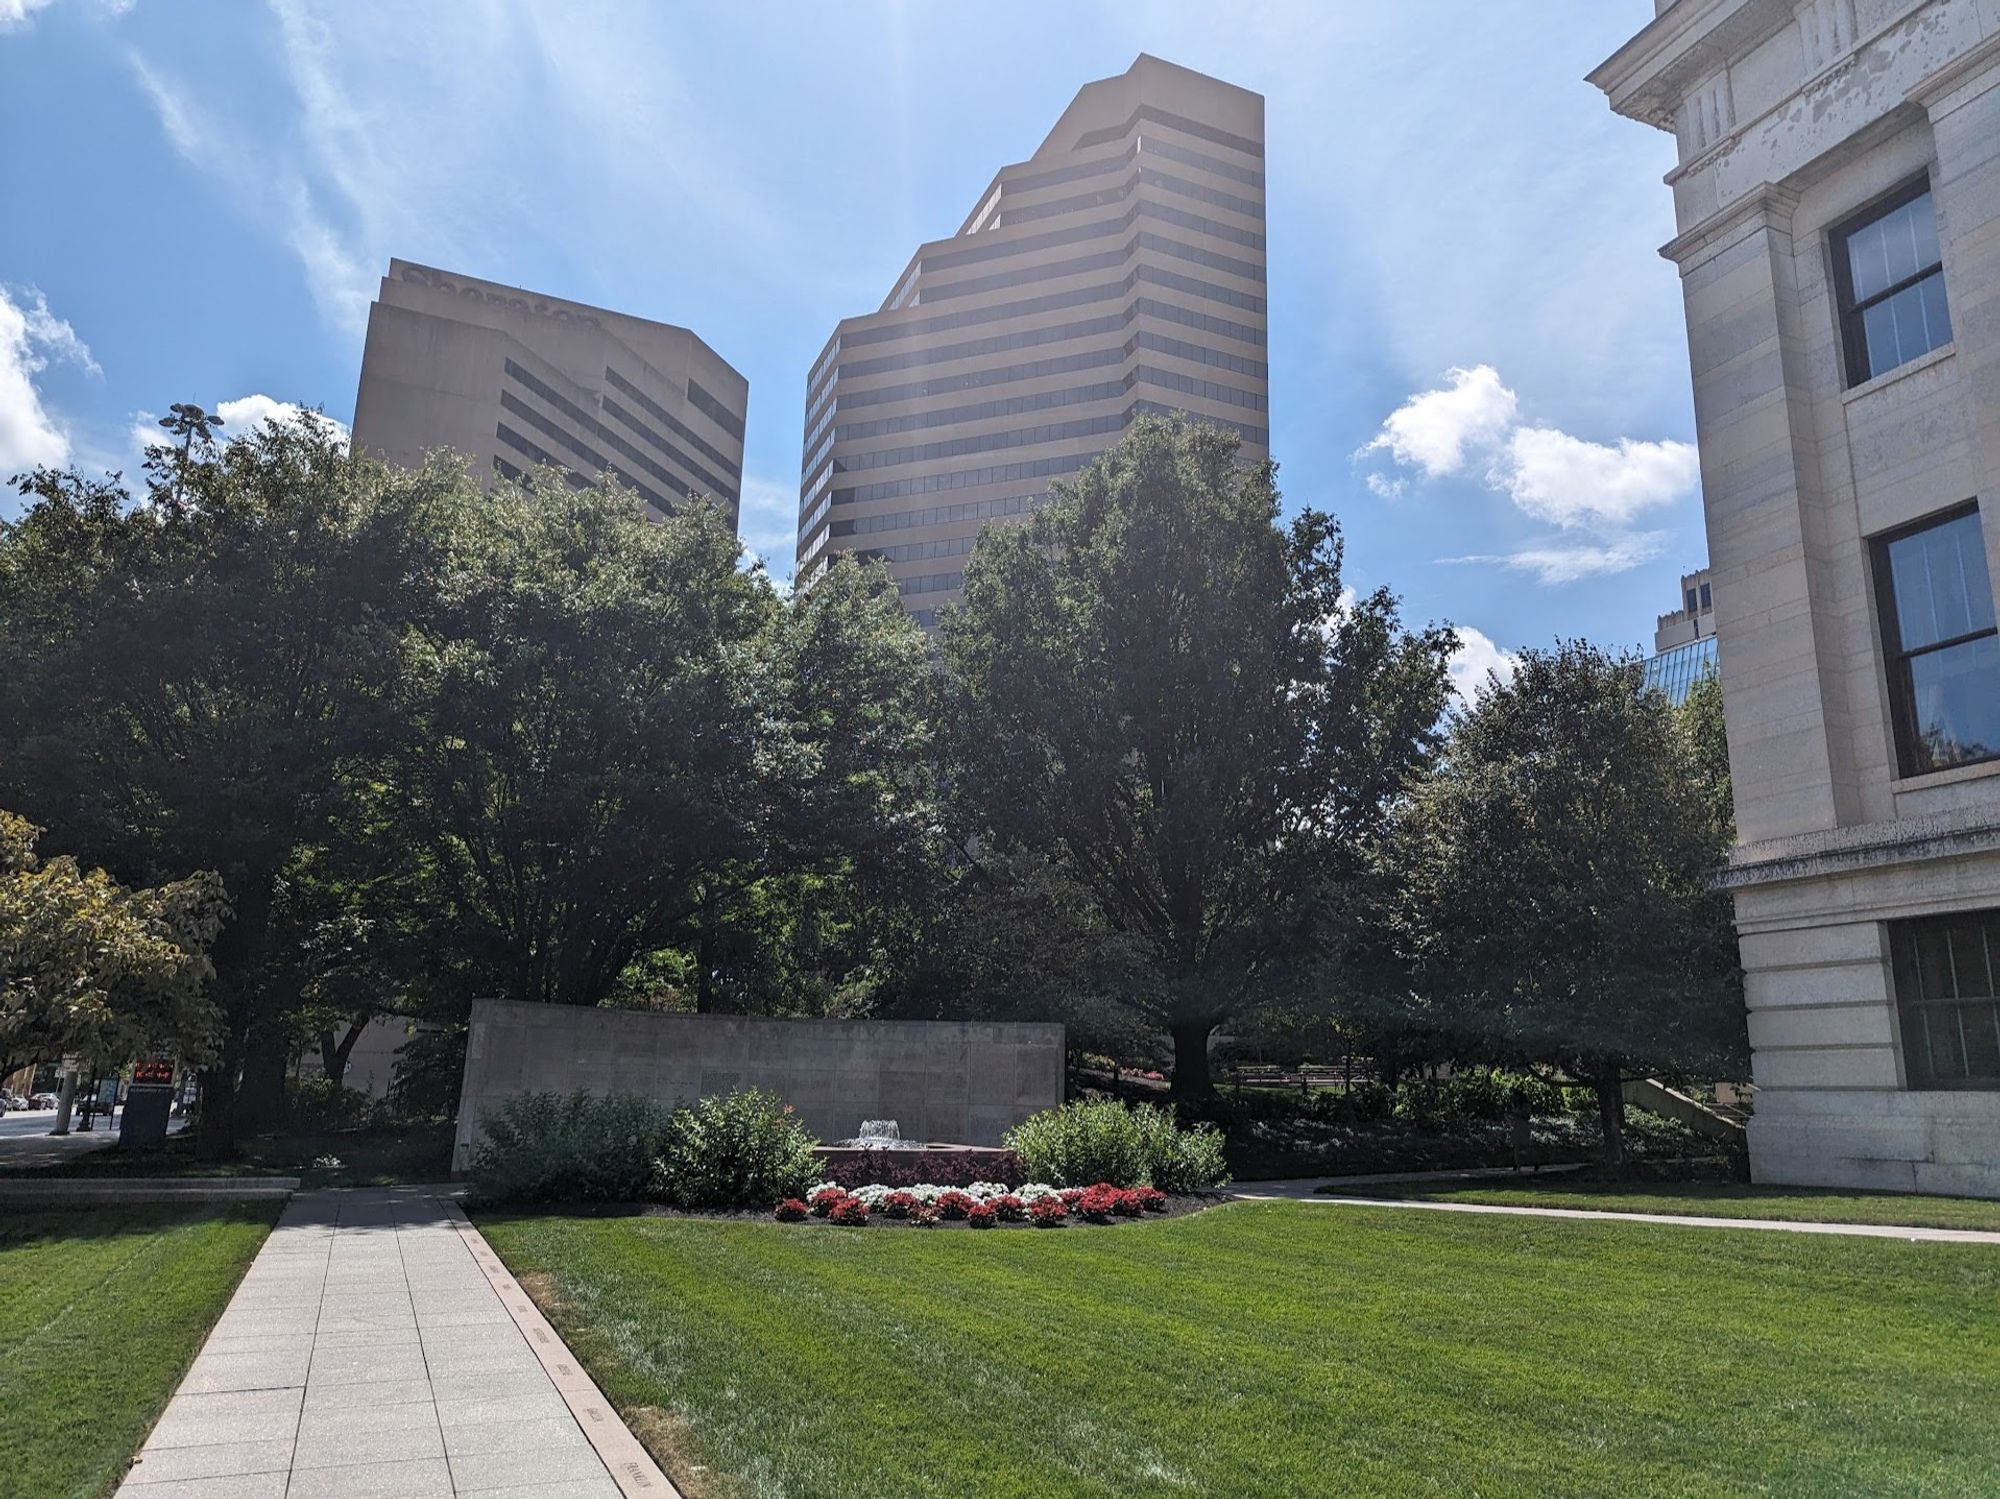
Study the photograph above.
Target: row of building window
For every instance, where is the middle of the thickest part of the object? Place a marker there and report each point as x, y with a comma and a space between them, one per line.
1143, 240
931, 583
528, 449
1053, 302
1077, 395
1050, 432
1034, 338
984, 442
1150, 114
667, 419
702, 479
1105, 197
970, 478
938, 515
919, 551
715, 411
1153, 145
1889, 277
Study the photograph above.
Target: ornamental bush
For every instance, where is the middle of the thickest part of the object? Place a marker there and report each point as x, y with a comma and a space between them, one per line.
1047, 1212
924, 1215
1101, 1140
1149, 1199
822, 1199
791, 1210
1098, 1203
849, 1212
1178, 1160
981, 1215
897, 1205
548, 1147
733, 1151
956, 1204
1009, 1209
1090, 1140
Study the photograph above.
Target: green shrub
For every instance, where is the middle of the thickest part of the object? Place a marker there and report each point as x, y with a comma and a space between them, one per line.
744, 1150
1088, 1141
1179, 1160
544, 1147
318, 1104
1101, 1140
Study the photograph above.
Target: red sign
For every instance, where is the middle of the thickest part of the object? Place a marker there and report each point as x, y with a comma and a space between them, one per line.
152, 1072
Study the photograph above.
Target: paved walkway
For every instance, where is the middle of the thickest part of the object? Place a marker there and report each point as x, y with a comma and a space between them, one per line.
377, 1348
1307, 1191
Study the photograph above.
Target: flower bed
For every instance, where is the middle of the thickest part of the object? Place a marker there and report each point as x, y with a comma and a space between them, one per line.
935, 1165
980, 1204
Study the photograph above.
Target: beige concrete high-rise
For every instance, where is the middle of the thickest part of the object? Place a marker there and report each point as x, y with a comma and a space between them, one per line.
1120, 270
513, 378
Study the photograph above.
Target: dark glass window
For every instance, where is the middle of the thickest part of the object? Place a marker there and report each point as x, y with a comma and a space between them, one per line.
1939, 637
1692, 596
1890, 277
1946, 968
1707, 598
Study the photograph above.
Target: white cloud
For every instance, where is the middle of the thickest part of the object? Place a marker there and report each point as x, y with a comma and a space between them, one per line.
767, 523
1560, 562
1476, 659
30, 337
1470, 427
246, 414
1570, 482
18, 12
1440, 431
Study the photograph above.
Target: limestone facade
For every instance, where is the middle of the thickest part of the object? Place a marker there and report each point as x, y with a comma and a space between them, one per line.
1800, 122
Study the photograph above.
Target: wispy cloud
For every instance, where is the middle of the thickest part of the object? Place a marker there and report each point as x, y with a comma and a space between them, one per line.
1471, 427
15, 13
1557, 562
31, 338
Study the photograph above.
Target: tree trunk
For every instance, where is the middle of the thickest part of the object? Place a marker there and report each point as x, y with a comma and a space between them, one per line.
260, 1104
215, 1135
334, 1055
65, 1101
1191, 1078
1609, 1084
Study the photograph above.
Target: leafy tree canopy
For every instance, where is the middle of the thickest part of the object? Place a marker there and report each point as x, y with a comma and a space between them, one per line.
1165, 694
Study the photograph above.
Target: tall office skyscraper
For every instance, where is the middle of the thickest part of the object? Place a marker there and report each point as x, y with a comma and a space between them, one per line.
1120, 270
512, 378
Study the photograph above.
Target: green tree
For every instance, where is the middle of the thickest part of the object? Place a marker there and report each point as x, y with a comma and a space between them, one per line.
1557, 870
589, 761
90, 967
193, 679
1165, 697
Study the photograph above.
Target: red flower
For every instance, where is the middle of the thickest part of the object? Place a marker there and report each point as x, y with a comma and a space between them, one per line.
850, 1211
1151, 1199
824, 1200
1129, 1204
955, 1204
980, 1215
1098, 1202
791, 1210
1071, 1196
898, 1204
1010, 1209
924, 1215
1048, 1212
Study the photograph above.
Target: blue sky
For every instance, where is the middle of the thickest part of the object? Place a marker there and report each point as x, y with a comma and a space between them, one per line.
1477, 356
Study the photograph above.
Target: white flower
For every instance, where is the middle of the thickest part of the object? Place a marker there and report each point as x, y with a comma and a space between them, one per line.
1035, 1191
987, 1191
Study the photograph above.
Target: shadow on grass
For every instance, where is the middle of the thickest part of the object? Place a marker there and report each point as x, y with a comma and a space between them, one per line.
41, 1224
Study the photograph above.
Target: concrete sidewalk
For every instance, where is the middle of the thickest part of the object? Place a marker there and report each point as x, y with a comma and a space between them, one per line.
1307, 1191
377, 1348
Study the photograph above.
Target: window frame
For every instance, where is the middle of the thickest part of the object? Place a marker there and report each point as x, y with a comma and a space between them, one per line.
1896, 659
1904, 963
1853, 332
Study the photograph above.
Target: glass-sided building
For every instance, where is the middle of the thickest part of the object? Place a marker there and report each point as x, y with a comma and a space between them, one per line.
1675, 671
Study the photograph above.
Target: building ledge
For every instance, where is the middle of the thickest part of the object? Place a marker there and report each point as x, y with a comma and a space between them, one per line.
1887, 378
1875, 845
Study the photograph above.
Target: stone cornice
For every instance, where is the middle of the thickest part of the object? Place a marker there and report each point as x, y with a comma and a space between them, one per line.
1875, 845
1769, 205
1935, 92
1647, 78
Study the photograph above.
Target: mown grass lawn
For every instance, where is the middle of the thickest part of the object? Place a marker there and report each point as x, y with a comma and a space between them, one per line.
101, 1311
1707, 1200
1282, 1349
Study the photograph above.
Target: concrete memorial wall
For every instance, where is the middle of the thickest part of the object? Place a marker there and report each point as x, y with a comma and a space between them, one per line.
964, 1083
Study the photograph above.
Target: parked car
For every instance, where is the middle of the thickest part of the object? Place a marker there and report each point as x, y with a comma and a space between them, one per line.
42, 1100
12, 1101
